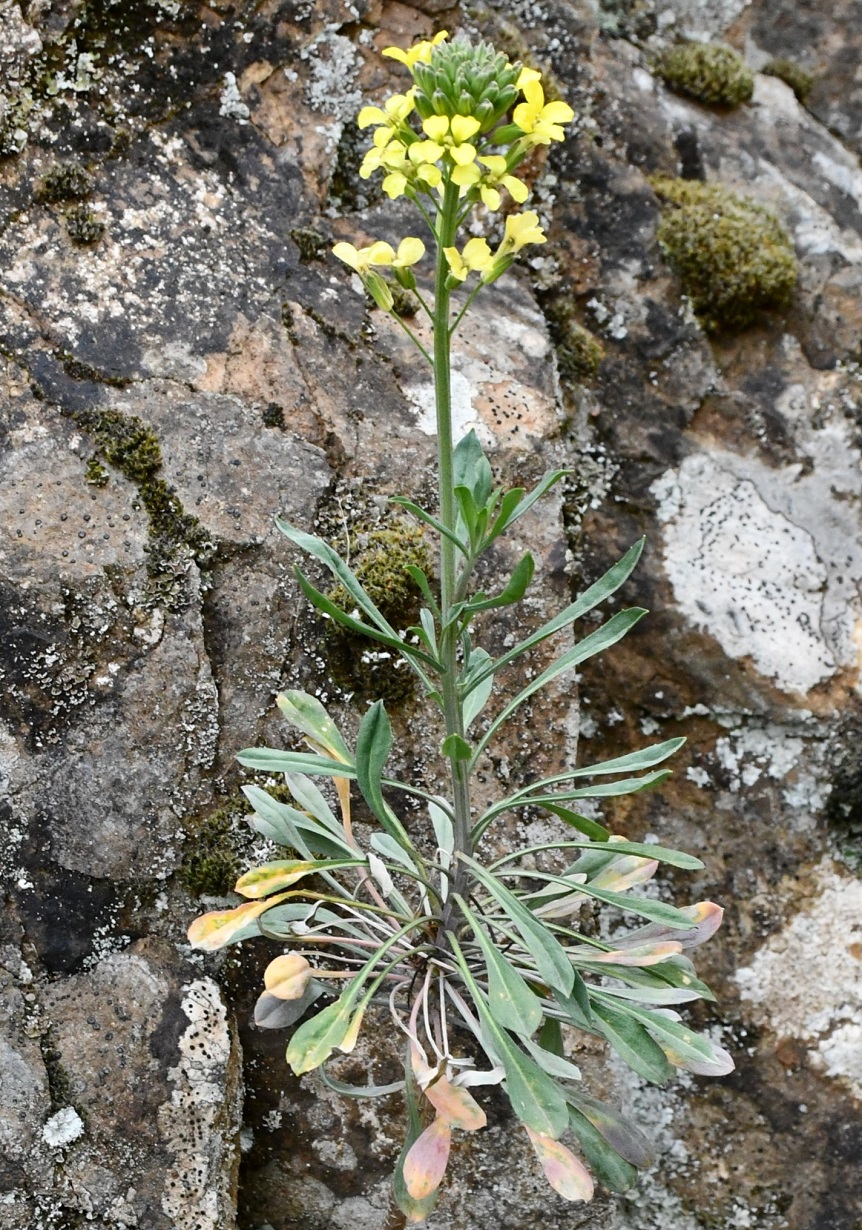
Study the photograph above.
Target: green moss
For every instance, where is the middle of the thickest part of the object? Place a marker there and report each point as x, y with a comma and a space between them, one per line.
65, 183
273, 416
97, 475
380, 559
792, 74
734, 258
311, 243
709, 72
77, 369
83, 227
216, 852
579, 352
176, 537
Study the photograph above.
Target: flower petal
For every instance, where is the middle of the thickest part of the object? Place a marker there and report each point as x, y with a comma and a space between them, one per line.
464, 127
371, 115
410, 250
436, 127
347, 253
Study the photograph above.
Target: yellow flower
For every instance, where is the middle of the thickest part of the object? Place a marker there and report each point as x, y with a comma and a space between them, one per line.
361, 259
497, 173
522, 229
419, 53
540, 120
475, 257
454, 133
410, 250
393, 113
390, 156
527, 74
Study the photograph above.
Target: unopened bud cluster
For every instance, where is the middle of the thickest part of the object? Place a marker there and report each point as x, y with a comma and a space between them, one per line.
462, 79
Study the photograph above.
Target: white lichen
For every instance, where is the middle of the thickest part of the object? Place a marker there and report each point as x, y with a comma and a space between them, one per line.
806, 981
62, 1128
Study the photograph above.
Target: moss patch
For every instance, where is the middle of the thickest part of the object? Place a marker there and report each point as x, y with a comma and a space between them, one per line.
65, 183
733, 256
83, 227
380, 559
792, 74
311, 243
708, 72
273, 416
579, 352
217, 851
176, 537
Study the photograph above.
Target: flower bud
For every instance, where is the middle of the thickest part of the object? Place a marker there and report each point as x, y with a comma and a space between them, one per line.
379, 291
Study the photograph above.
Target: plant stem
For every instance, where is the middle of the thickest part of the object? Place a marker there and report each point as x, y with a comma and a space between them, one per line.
447, 227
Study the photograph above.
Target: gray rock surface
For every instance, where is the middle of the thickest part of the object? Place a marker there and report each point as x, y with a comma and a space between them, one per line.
201, 365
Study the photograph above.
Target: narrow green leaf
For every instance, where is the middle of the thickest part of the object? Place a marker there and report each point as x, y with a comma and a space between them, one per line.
311, 800
472, 469
644, 758
624, 1137
556, 1066
607, 1165
281, 823
590, 598
551, 1036
359, 1091
662, 854
477, 698
608, 790
273, 760
514, 591
547, 952
583, 824
512, 511
609, 633
676, 1034
508, 504
655, 911
660, 996
514, 1005
321, 551
455, 748
632, 1043
422, 515
535, 1097
577, 1004
390, 639
373, 743
308, 715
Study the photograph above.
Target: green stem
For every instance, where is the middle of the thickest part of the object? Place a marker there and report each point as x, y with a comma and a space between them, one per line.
447, 228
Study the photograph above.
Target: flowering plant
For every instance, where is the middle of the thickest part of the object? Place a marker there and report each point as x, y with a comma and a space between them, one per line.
482, 963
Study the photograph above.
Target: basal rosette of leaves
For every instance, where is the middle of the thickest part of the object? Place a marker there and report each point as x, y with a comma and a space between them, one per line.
480, 962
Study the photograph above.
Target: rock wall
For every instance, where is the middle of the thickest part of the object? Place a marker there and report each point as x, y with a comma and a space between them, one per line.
181, 360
